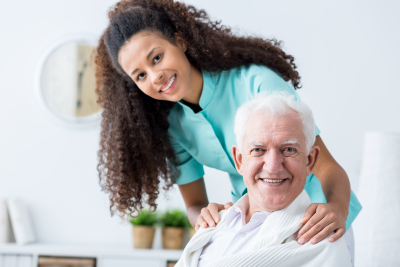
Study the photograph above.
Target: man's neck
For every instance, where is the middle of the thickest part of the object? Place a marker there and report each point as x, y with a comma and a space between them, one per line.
250, 213
253, 208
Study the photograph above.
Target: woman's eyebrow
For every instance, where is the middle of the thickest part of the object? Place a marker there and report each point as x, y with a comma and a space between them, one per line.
151, 52
133, 72
147, 58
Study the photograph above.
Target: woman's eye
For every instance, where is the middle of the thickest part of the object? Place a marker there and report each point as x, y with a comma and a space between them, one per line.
141, 76
157, 58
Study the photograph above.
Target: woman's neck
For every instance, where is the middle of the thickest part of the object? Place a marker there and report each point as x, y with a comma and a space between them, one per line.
195, 86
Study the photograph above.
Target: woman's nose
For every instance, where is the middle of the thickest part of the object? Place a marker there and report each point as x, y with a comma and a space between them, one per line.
273, 161
158, 77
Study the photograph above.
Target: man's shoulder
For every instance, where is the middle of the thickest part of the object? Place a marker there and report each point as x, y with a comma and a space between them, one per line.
331, 253
224, 213
221, 224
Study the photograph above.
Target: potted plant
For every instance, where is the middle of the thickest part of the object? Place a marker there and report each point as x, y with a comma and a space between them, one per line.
174, 224
143, 229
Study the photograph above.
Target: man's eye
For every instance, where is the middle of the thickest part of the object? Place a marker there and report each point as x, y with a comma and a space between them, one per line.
289, 150
141, 76
257, 151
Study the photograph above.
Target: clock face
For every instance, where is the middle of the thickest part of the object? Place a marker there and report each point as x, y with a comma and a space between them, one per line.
68, 81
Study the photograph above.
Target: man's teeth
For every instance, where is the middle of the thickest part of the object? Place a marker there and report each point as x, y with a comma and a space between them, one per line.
273, 181
169, 84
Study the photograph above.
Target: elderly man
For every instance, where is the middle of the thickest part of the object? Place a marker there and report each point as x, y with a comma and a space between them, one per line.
274, 153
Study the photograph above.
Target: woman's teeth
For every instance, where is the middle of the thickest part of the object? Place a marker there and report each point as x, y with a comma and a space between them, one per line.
169, 84
273, 181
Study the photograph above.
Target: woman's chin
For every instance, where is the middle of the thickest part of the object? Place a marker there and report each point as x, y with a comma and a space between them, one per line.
176, 96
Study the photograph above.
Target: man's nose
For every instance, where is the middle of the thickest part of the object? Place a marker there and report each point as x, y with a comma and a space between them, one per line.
273, 161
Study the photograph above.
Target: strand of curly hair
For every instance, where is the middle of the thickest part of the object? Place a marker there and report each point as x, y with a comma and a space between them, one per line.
134, 143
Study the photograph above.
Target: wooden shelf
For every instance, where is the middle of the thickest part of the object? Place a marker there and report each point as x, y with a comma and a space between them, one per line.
116, 256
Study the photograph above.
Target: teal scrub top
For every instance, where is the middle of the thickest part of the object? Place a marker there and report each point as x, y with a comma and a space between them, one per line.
205, 138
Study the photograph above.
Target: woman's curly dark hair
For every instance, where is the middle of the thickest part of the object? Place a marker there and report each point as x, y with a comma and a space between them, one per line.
134, 145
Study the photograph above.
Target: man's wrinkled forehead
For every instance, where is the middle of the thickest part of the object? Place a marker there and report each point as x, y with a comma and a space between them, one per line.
263, 130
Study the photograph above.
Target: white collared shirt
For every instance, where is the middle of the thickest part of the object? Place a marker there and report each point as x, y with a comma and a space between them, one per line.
235, 235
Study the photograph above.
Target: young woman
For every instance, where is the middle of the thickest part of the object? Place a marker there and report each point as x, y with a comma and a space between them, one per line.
170, 82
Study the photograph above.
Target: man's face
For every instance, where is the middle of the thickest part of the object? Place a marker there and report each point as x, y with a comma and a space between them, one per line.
274, 160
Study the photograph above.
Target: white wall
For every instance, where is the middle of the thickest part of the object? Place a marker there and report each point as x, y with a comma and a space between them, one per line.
347, 54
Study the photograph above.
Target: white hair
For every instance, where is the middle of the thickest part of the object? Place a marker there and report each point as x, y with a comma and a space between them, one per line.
275, 104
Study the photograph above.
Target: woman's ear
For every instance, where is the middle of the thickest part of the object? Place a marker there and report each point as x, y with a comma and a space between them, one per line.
180, 42
237, 157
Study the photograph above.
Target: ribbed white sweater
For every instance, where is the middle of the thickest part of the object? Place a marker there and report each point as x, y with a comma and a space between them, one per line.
275, 245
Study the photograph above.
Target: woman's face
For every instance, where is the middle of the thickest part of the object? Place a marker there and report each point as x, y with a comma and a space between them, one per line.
160, 69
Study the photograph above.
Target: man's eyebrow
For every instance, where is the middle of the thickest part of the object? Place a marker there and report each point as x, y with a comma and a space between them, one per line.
147, 58
254, 143
291, 142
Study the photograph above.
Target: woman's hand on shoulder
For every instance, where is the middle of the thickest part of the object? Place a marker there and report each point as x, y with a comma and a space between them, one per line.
209, 215
319, 221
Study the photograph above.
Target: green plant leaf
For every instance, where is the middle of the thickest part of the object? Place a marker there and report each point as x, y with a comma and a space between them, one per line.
145, 217
174, 218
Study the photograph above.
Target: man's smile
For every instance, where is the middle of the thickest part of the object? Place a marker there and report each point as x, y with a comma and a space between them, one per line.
273, 182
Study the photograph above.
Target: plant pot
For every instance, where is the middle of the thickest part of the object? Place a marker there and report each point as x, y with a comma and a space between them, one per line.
143, 236
191, 233
172, 237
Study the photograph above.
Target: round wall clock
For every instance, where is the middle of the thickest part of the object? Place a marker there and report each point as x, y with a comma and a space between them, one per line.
66, 83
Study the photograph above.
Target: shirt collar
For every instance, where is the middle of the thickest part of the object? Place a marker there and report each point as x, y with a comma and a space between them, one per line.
240, 208
208, 89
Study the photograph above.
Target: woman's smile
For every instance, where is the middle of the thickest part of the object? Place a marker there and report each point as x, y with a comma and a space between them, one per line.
169, 85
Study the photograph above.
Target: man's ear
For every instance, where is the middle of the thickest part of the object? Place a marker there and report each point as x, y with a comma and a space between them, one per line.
180, 42
237, 157
312, 159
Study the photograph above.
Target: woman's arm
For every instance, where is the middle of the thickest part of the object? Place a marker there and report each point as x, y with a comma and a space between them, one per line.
322, 219
333, 178
195, 196
199, 211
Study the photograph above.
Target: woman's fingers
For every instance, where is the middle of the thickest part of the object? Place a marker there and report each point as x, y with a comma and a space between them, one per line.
200, 223
321, 230
209, 220
326, 231
209, 215
323, 221
214, 208
228, 205
339, 233
316, 218
309, 213
315, 229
